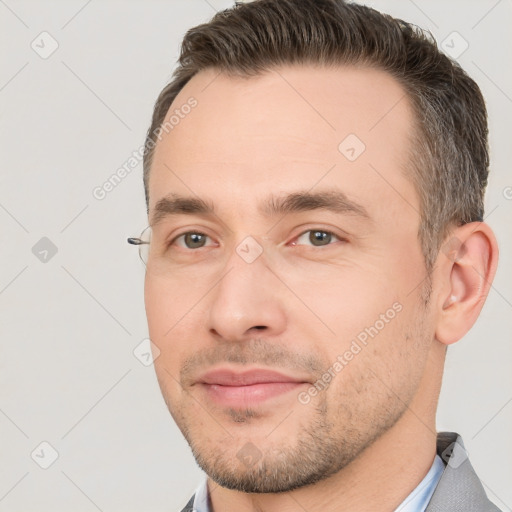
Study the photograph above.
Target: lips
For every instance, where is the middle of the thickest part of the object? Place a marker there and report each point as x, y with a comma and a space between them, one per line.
225, 377
243, 389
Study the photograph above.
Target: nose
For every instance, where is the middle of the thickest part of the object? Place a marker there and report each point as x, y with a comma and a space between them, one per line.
248, 301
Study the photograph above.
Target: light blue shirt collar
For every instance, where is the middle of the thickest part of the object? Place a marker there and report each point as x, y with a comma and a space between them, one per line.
417, 501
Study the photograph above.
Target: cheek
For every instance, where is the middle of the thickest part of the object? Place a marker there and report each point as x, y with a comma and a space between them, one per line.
167, 302
157, 310
363, 322
345, 299
174, 314
162, 325
384, 359
165, 316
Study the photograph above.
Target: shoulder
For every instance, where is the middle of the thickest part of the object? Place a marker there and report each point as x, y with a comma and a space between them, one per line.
459, 489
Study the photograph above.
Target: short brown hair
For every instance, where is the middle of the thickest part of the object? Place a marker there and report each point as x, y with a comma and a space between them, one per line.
449, 156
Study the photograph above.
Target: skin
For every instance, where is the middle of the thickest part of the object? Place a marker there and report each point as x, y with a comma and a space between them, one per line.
367, 440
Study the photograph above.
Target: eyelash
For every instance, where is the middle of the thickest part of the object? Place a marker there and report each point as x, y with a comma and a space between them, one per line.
334, 235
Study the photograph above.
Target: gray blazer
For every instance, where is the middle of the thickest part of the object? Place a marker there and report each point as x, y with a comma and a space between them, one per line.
459, 489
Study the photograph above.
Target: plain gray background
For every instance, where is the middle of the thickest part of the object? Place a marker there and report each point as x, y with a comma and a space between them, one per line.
70, 321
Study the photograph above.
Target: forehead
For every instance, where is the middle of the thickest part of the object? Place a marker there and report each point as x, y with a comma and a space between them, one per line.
292, 126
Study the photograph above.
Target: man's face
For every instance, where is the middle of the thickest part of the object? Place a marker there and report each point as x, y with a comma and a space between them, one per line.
291, 319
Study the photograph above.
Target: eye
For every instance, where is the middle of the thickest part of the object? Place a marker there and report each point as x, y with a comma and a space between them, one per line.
191, 240
316, 238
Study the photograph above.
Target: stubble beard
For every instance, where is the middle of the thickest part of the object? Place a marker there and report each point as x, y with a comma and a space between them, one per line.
320, 449
327, 440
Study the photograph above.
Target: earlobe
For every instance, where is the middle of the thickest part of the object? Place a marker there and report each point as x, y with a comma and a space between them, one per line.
468, 262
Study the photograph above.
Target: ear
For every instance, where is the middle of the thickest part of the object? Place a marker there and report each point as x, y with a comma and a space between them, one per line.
467, 263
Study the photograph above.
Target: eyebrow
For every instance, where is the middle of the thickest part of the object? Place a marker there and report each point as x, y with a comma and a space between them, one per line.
332, 200
174, 204
335, 201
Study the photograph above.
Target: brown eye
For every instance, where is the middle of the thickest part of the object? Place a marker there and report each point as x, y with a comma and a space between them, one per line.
317, 238
191, 240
